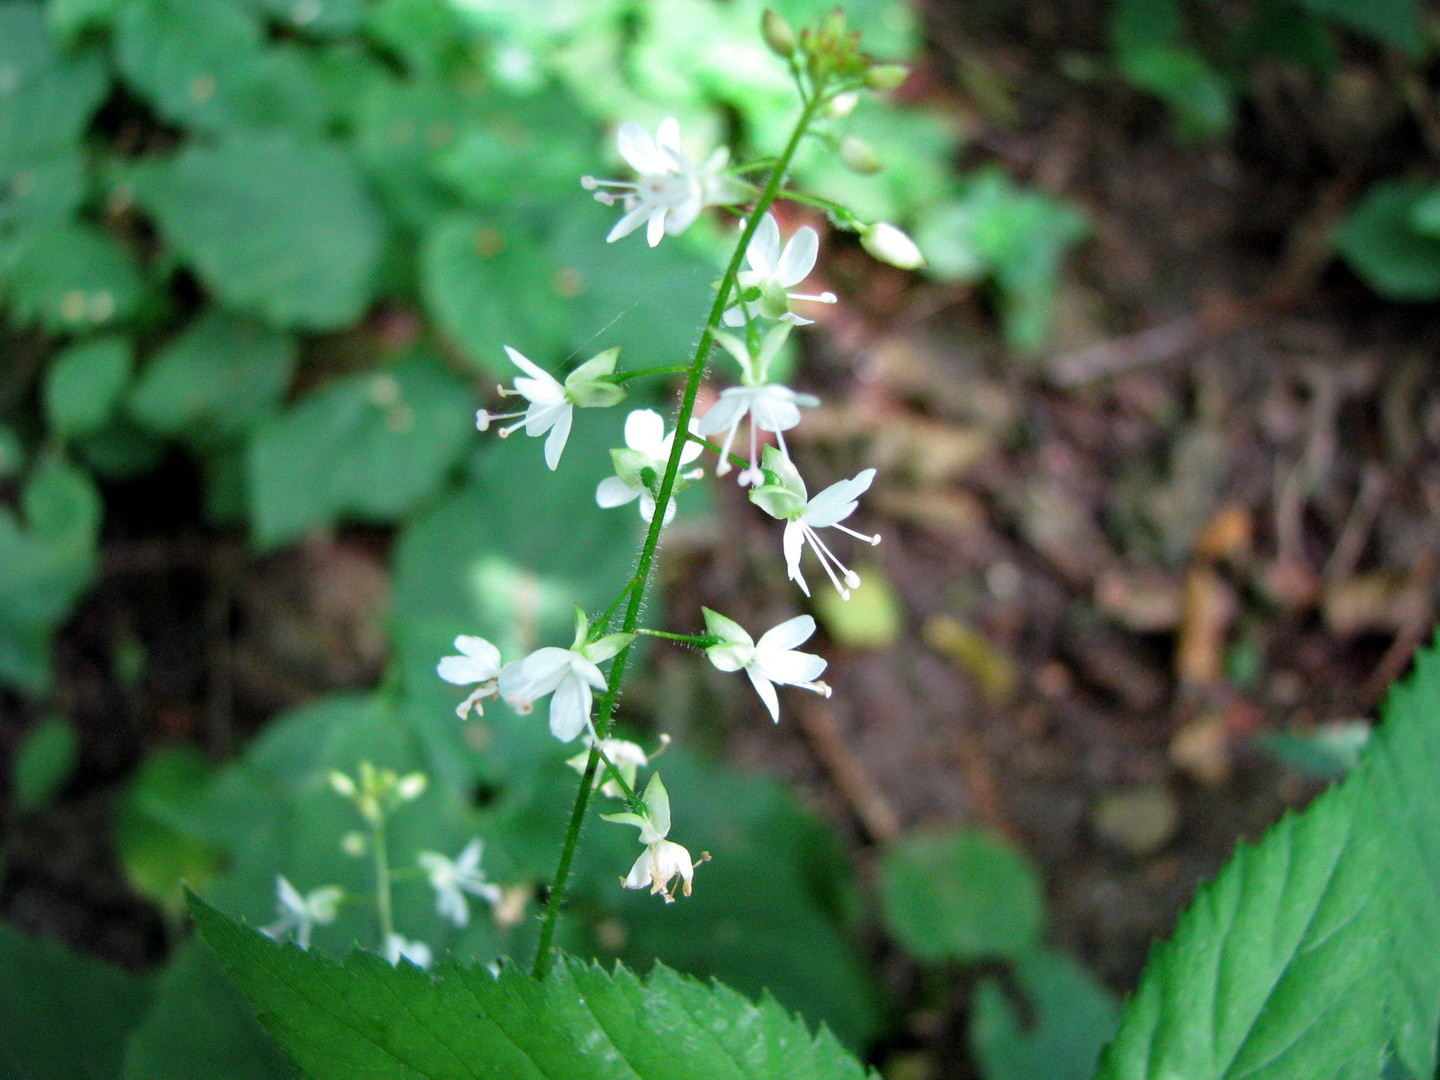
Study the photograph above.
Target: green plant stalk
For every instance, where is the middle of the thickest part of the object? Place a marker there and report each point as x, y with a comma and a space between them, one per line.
638, 582
382, 879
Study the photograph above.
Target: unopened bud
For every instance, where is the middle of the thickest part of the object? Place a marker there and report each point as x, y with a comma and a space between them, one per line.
859, 156
882, 78
342, 784
411, 787
842, 105
354, 844
892, 245
777, 33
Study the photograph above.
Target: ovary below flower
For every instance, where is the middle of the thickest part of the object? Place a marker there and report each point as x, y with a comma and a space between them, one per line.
639, 467
569, 674
453, 878
784, 497
662, 861
552, 403
764, 289
477, 665
770, 406
771, 660
670, 190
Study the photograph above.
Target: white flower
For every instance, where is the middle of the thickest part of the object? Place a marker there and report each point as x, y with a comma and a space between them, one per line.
301, 913
451, 880
569, 674
398, 948
892, 245
642, 464
552, 403
784, 497
764, 288
770, 406
671, 190
771, 660
478, 662
662, 861
626, 756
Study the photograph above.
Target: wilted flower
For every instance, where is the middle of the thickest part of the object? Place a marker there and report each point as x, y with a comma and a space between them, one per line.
764, 288
771, 660
784, 497
301, 913
662, 861
478, 663
647, 452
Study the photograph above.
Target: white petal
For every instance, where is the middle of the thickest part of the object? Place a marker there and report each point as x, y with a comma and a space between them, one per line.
636, 147
667, 135
530, 368
794, 544
480, 650
787, 635
837, 502
628, 223
639, 876
541, 393
798, 258
764, 249
775, 410
790, 668
587, 671
555, 444
725, 413
569, 708
541, 418
734, 316
766, 692
612, 492
655, 227
464, 671
645, 432
536, 675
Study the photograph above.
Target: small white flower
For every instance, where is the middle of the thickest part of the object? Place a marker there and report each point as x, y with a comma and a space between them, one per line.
770, 406
398, 948
452, 879
626, 756
552, 403
784, 497
643, 463
662, 861
478, 663
765, 287
569, 674
770, 661
671, 189
301, 913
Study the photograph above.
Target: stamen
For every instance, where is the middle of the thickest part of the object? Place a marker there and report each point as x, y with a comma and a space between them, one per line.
724, 466
484, 418
871, 540
589, 183
821, 551
506, 432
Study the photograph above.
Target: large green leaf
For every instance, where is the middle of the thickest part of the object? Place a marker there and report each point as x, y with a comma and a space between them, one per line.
280, 227
370, 446
1385, 244
46, 97
1312, 954
47, 558
63, 1015
70, 278
368, 1019
220, 377
44, 762
1054, 1033
84, 383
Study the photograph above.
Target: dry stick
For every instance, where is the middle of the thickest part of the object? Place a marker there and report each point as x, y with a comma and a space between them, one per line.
854, 782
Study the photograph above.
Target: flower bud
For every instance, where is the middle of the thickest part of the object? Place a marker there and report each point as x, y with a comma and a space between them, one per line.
892, 245
859, 156
777, 33
411, 787
882, 78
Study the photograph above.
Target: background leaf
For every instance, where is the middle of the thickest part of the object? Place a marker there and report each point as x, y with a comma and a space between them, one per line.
44, 762
84, 383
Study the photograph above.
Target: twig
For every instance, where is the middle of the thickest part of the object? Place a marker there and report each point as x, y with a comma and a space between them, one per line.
852, 780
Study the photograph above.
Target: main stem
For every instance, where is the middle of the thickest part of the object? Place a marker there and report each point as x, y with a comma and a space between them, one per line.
382, 879
641, 578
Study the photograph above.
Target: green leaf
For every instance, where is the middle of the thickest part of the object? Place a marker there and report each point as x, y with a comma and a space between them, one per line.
71, 278
1390, 22
47, 97
70, 18
43, 193
1311, 954
369, 446
47, 558
154, 841
1385, 244
200, 1026
1065, 1020
44, 762
492, 282
218, 379
400, 129
318, 18
63, 1015
367, 1019
280, 227
83, 384
960, 896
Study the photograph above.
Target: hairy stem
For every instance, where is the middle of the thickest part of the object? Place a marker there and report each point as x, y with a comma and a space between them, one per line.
641, 578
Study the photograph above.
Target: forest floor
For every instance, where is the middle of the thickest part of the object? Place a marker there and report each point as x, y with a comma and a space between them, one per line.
1203, 515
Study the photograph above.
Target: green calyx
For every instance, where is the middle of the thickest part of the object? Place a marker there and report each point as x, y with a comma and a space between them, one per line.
590, 385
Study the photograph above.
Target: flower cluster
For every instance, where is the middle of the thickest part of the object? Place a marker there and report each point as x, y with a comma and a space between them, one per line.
762, 298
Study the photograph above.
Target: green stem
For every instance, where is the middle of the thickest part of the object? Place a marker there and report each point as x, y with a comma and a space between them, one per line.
843, 217
626, 376
735, 459
382, 880
641, 578
700, 641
